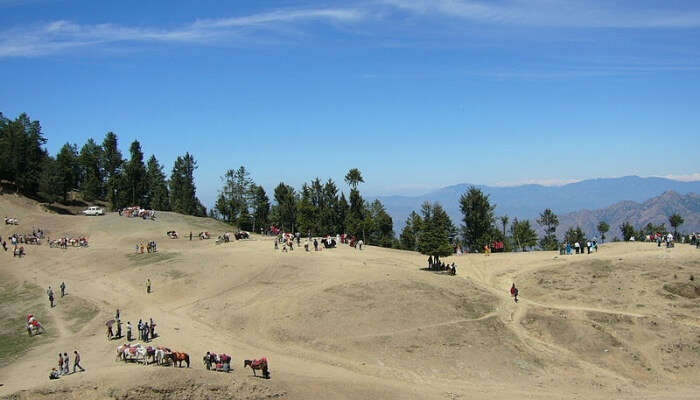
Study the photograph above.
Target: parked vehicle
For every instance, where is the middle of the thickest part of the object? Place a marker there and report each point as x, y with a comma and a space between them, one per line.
94, 211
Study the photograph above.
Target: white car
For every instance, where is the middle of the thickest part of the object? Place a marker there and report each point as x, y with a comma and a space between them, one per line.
94, 211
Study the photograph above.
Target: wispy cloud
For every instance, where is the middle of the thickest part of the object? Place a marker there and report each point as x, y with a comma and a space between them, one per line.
553, 13
543, 182
57, 36
693, 177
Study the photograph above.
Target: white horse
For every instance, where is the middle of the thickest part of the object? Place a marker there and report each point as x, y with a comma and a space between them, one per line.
162, 356
135, 353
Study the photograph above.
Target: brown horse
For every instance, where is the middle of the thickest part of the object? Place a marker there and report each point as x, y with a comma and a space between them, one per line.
260, 364
179, 358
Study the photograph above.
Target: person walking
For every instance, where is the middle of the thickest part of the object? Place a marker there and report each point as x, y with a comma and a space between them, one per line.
63, 289
66, 364
76, 362
148, 285
514, 292
49, 292
190, 236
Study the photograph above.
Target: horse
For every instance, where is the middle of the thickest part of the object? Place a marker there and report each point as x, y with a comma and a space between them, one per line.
179, 358
162, 355
136, 353
120, 351
260, 364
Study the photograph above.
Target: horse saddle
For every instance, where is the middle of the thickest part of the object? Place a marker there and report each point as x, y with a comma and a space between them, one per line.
260, 362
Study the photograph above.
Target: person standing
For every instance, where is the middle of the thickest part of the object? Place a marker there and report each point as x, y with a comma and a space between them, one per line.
148, 285
119, 329
60, 362
76, 361
140, 327
128, 331
49, 292
145, 332
153, 328
63, 289
190, 236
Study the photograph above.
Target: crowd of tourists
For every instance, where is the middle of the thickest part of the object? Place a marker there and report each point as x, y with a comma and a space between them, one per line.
137, 212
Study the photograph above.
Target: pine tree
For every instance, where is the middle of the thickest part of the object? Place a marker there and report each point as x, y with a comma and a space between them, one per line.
523, 234
603, 228
183, 193
381, 226
91, 173
21, 153
436, 228
261, 208
51, 182
286, 209
549, 222
157, 193
478, 218
69, 168
135, 174
235, 198
410, 232
113, 164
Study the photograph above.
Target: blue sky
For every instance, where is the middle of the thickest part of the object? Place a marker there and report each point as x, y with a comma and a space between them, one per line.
418, 94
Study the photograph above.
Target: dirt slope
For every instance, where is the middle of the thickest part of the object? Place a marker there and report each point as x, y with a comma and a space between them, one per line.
351, 324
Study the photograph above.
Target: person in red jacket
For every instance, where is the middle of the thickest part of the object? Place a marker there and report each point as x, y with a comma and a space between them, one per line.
514, 292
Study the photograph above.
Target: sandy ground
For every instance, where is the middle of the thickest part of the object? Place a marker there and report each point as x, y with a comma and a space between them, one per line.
349, 324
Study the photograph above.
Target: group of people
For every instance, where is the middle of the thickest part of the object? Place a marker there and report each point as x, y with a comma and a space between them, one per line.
579, 248
695, 240
150, 247
64, 365
63, 242
137, 212
146, 329
217, 362
666, 239
436, 264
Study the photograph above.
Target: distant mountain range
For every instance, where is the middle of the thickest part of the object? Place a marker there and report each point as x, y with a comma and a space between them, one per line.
527, 201
655, 210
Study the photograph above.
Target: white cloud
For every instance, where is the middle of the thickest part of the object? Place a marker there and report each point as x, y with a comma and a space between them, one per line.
554, 13
682, 177
543, 182
57, 36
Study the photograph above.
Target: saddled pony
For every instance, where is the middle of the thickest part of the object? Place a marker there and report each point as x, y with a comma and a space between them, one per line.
178, 357
162, 355
260, 364
137, 354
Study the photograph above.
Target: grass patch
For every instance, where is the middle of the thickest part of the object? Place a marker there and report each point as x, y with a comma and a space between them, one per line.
150, 258
16, 301
78, 311
174, 274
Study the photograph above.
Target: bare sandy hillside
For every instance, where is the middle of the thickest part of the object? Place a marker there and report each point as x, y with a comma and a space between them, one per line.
346, 324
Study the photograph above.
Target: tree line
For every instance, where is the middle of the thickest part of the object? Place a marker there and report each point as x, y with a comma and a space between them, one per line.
98, 171
317, 209
431, 232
